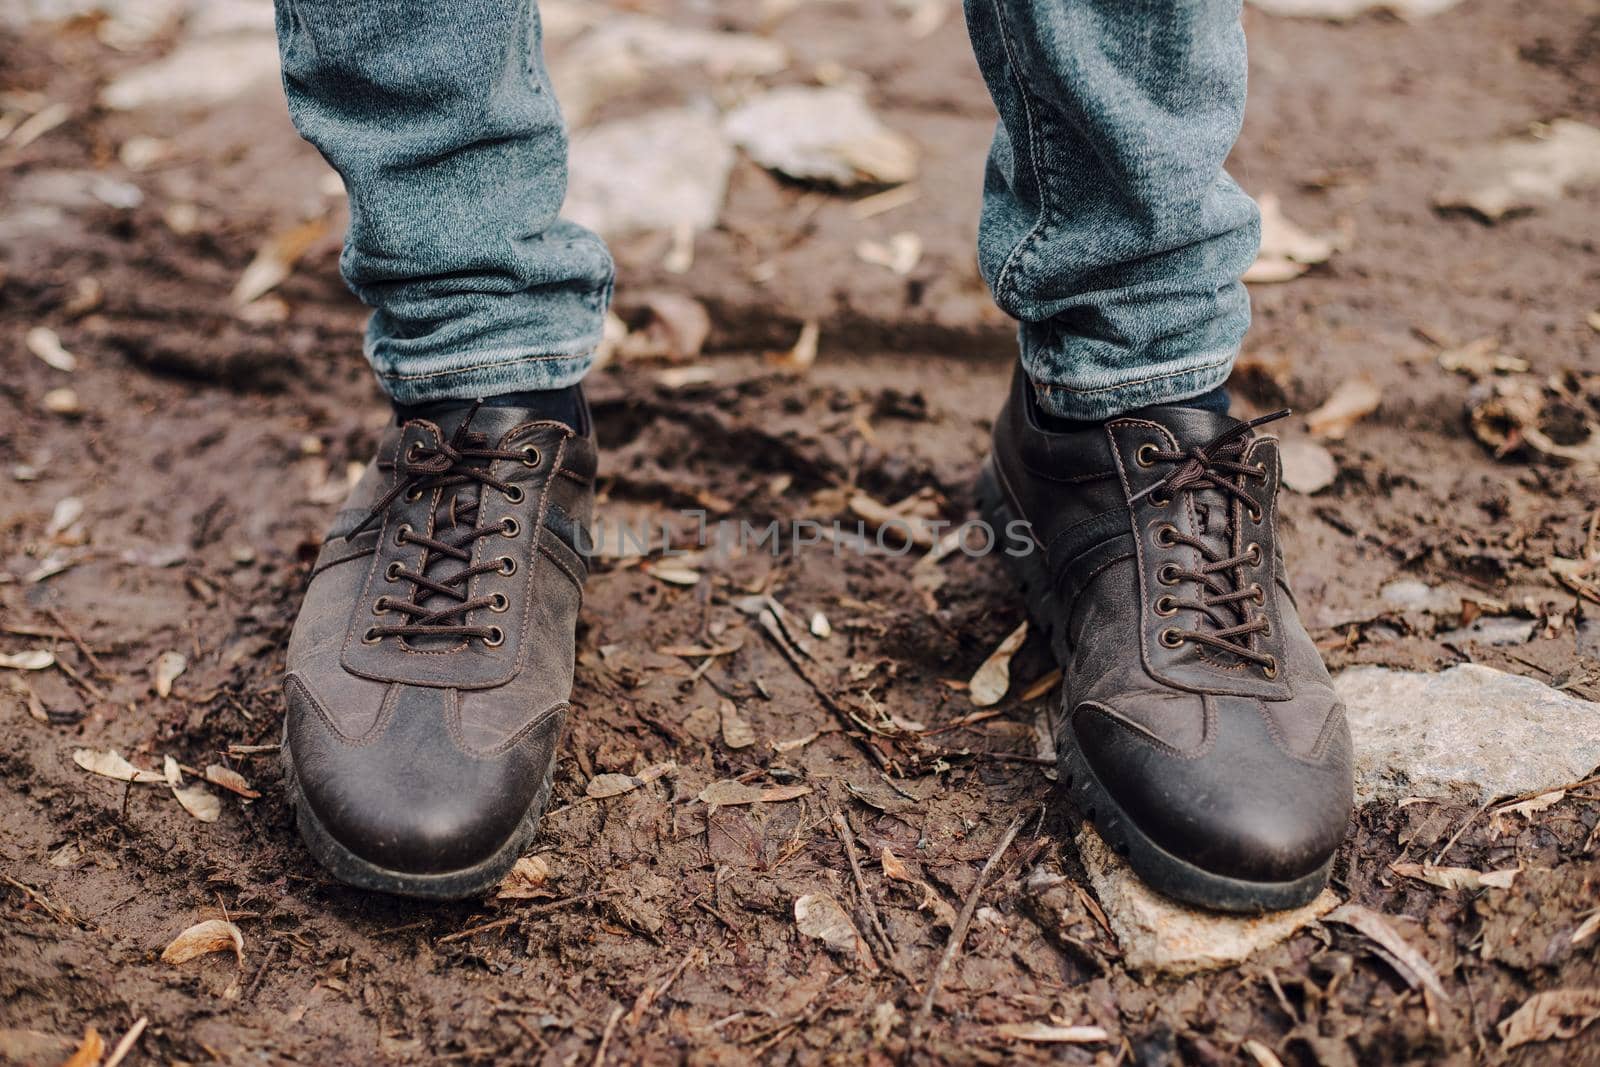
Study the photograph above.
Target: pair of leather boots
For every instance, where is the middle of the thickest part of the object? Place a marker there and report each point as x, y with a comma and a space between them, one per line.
431, 665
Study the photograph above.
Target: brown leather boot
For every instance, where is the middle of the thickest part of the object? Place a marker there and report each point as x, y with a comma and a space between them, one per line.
430, 667
1199, 730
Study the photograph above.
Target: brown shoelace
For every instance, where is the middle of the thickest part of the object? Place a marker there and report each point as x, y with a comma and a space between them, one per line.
1224, 601
461, 461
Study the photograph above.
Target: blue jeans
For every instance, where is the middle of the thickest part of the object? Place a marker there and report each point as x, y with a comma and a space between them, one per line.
1109, 229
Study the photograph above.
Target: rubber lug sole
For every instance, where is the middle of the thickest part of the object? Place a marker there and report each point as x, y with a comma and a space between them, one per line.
1167, 874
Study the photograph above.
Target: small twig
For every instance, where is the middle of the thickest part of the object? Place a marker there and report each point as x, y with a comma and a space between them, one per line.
72, 635
537, 909
126, 1044
89, 687
959, 933
59, 912
605, 1038
774, 630
649, 995
846, 838
261, 972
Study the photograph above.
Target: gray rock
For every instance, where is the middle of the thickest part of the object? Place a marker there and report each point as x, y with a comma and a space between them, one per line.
659, 171
822, 135
1469, 729
1491, 630
1161, 936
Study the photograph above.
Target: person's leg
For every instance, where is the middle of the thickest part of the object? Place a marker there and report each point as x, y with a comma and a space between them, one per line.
1109, 227
1199, 730
440, 119
429, 669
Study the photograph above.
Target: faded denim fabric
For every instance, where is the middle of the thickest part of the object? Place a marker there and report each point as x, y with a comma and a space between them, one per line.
439, 116
1108, 228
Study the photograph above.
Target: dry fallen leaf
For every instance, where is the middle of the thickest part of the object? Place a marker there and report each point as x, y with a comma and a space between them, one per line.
1287, 251
33, 659
229, 779
1555, 1015
204, 938
804, 353
729, 792
1352, 401
1524, 173
1456, 877
273, 263
674, 575
525, 881
602, 786
736, 732
1481, 358
820, 627
820, 916
167, 667
991, 680
61, 402
110, 764
900, 253
89, 1050
44, 342
1412, 965
1046, 1034
895, 868
1263, 1055
198, 801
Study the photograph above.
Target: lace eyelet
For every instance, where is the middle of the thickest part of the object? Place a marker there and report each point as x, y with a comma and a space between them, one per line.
531, 456
1168, 574
414, 494
1254, 555
411, 452
1258, 593
1145, 455
403, 533
391, 573
1256, 515
510, 527
371, 637
1270, 668
499, 602
515, 494
1166, 607
1170, 638
380, 606
496, 638
1266, 631
508, 566
1163, 537
1159, 501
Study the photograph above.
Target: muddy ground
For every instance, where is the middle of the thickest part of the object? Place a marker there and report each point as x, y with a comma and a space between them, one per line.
210, 447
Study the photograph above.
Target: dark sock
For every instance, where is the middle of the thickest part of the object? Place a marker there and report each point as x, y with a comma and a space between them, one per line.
560, 405
1215, 401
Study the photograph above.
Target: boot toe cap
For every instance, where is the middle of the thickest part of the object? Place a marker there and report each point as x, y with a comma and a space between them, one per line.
407, 798
1239, 805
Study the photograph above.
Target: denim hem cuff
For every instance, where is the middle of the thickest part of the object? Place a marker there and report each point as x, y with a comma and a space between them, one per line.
1100, 402
468, 375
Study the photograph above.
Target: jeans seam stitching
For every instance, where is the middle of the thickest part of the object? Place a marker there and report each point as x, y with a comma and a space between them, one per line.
1049, 388
509, 362
1009, 48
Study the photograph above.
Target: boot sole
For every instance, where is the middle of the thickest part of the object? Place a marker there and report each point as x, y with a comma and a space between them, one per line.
358, 873
1159, 869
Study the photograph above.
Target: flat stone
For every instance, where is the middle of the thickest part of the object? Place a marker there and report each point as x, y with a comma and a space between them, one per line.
197, 73
823, 135
1524, 173
1161, 936
1470, 729
1492, 630
658, 171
